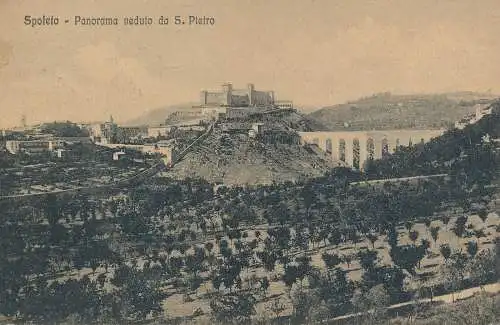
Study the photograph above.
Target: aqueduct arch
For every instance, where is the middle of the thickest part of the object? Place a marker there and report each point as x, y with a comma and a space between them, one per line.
356, 147
342, 150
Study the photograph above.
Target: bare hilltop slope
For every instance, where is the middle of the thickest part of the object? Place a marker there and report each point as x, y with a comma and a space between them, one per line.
235, 158
389, 111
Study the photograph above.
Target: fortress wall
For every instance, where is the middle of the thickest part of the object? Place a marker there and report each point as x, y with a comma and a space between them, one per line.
215, 98
261, 98
240, 100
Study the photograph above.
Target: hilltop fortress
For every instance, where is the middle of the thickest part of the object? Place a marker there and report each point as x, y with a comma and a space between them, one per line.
229, 96
233, 103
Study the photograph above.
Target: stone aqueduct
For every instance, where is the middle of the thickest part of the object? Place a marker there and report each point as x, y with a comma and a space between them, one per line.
354, 148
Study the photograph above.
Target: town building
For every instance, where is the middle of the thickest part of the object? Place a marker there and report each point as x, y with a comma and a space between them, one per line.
284, 104
110, 132
131, 134
258, 128
32, 146
164, 149
158, 131
240, 112
60, 153
43, 144
104, 132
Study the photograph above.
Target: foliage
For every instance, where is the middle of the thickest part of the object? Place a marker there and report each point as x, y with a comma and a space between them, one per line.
64, 129
239, 307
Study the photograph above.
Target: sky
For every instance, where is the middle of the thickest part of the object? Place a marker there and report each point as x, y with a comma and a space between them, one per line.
314, 52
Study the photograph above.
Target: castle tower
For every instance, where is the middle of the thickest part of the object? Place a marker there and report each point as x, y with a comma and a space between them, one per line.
203, 97
271, 96
251, 89
227, 89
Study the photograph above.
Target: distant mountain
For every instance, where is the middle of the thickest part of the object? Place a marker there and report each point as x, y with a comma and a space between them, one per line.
183, 112
306, 109
157, 116
389, 111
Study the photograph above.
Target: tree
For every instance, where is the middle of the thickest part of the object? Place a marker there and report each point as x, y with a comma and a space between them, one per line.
320, 313
445, 219
336, 291
372, 238
331, 260
406, 257
392, 236
268, 258
193, 282
309, 198
304, 267
427, 222
482, 268
408, 225
435, 233
453, 272
445, 251
303, 301
138, 295
483, 214
423, 249
209, 246
301, 240
281, 213
264, 284
367, 259
497, 256
413, 235
372, 304
290, 275
472, 248
238, 307
347, 259
460, 225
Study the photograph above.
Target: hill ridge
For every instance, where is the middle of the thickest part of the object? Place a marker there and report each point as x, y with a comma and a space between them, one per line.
400, 111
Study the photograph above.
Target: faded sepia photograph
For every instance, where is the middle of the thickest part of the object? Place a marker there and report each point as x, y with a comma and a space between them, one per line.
250, 162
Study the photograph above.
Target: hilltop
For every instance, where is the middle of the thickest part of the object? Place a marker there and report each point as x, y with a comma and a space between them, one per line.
235, 159
230, 156
390, 111
157, 116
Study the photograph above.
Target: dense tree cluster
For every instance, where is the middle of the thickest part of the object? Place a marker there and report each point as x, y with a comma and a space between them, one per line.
93, 258
64, 129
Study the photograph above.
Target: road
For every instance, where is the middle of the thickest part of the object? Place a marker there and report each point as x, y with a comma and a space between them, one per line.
400, 179
447, 298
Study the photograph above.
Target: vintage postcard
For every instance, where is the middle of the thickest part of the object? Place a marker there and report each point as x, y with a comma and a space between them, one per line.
249, 162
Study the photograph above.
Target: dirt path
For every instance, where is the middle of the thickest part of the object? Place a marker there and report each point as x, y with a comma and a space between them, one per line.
399, 179
447, 298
